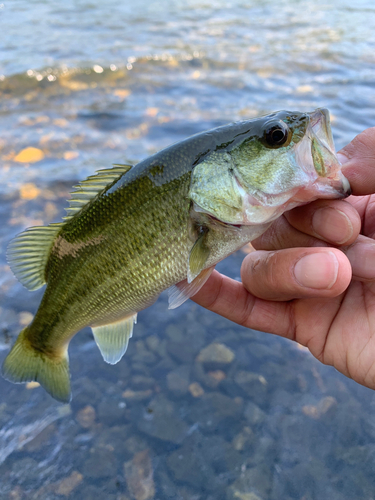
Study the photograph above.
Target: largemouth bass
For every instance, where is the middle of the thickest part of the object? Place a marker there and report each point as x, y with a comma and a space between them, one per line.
132, 232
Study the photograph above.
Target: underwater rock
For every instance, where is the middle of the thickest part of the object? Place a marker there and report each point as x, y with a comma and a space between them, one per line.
112, 412
212, 409
256, 481
253, 414
215, 356
139, 476
65, 486
100, 464
253, 384
178, 380
86, 417
161, 421
187, 466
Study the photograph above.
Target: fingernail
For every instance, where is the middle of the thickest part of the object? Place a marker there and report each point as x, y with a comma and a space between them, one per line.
362, 259
342, 158
332, 225
317, 270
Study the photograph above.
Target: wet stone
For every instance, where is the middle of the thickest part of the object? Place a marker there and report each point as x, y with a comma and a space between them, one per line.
23, 471
160, 420
244, 439
112, 412
90, 492
89, 393
253, 414
65, 486
219, 453
135, 444
189, 467
140, 382
234, 494
326, 408
257, 480
130, 395
174, 333
100, 464
253, 384
196, 390
178, 380
212, 409
183, 352
86, 417
215, 356
41, 439
139, 475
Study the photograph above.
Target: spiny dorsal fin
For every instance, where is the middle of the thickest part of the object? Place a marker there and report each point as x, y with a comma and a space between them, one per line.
94, 184
28, 253
113, 339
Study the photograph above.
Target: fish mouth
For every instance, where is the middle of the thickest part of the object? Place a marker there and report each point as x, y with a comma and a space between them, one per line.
323, 153
320, 124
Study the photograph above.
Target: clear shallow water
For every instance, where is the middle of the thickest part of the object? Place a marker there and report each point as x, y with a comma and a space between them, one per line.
89, 84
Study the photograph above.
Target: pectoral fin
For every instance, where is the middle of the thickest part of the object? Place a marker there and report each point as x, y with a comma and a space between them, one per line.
179, 293
198, 257
113, 339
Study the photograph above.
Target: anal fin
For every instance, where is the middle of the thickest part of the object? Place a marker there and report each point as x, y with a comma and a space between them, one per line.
113, 339
181, 292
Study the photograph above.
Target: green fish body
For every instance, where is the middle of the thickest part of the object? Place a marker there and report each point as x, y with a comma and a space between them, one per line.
132, 232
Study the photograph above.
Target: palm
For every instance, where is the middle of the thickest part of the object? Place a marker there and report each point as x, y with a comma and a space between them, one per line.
341, 331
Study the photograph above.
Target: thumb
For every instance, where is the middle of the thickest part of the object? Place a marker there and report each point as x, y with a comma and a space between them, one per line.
358, 160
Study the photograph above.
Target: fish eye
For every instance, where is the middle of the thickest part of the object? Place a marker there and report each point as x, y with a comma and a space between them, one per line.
276, 134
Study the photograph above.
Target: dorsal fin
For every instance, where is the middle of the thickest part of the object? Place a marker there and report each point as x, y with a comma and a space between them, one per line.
28, 253
86, 190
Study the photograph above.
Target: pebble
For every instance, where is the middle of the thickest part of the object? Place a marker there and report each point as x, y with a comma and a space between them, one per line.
253, 384
178, 380
196, 390
253, 414
216, 355
141, 382
213, 409
101, 464
111, 412
256, 481
86, 417
68, 484
139, 475
137, 395
162, 421
41, 439
326, 407
244, 439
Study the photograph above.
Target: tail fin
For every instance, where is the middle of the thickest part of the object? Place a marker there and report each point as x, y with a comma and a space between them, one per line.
24, 363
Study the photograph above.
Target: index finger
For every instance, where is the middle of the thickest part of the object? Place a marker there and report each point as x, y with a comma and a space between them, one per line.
358, 160
230, 299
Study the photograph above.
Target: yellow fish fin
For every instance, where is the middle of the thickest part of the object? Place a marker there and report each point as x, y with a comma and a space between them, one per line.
179, 293
24, 364
113, 339
28, 253
198, 257
91, 187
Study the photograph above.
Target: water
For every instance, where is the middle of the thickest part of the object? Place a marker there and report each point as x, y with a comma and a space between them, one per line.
89, 84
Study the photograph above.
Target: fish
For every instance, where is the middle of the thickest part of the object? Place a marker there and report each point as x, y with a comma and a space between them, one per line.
131, 232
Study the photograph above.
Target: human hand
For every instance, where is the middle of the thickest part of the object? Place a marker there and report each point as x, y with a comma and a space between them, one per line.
312, 278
